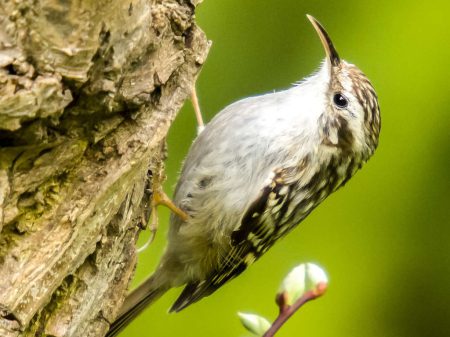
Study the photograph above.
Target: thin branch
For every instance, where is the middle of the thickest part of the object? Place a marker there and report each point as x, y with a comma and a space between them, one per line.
287, 311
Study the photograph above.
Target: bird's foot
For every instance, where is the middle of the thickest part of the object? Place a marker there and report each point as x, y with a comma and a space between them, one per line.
159, 197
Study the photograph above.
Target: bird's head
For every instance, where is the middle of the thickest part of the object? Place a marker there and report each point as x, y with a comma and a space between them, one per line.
351, 120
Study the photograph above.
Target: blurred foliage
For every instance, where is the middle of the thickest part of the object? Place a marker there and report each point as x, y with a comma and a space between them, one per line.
383, 239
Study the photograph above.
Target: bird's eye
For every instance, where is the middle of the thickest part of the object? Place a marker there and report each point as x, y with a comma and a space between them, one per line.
340, 101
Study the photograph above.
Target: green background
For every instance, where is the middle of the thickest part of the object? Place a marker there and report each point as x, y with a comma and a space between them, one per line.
384, 238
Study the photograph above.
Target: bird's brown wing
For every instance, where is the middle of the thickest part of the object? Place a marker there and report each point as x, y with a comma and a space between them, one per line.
263, 223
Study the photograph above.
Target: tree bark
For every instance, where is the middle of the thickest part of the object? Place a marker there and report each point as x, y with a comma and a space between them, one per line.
88, 90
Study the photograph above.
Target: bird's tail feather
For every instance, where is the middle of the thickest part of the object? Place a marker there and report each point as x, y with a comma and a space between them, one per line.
135, 303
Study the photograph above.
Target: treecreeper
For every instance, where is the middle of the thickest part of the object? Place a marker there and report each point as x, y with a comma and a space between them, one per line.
255, 172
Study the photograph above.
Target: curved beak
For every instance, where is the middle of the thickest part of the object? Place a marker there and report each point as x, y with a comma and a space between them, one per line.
332, 55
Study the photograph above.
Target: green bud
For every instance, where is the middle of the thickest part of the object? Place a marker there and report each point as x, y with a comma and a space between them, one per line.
316, 279
254, 323
302, 279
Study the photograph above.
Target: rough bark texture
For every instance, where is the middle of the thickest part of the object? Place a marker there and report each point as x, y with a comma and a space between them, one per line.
88, 90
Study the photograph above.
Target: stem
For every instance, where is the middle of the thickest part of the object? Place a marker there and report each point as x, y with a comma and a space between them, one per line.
287, 311
197, 110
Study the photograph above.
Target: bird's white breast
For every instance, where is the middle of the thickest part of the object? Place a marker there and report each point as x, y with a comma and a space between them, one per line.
246, 141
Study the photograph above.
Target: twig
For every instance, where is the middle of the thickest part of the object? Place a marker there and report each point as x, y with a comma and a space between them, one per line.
287, 311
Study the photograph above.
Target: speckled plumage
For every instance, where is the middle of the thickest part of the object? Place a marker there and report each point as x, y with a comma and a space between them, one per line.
256, 171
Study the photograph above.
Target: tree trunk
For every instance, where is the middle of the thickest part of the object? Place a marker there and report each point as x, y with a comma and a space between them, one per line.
88, 90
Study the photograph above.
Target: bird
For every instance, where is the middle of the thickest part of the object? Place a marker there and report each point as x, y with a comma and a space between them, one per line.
257, 169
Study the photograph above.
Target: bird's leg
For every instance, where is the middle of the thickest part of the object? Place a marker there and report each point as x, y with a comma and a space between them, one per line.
198, 113
159, 197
